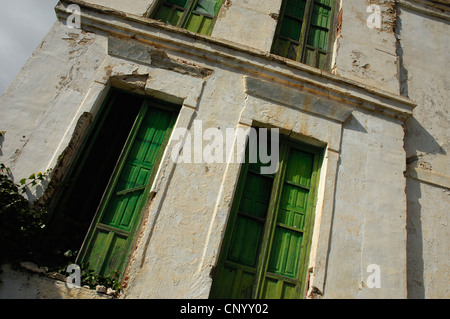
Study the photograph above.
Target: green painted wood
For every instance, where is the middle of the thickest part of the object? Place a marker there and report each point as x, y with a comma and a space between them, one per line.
120, 209
287, 243
303, 31
265, 249
194, 15
171, 12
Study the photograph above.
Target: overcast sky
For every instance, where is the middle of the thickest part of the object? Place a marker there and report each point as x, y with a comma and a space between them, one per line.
23, 25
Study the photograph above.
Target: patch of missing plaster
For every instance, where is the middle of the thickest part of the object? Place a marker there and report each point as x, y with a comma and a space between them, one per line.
274, 16
425, 166
133, 50
73, 39
162, 60
66, 158
315, 293
339, 24
131, 82
223, 11
388, 14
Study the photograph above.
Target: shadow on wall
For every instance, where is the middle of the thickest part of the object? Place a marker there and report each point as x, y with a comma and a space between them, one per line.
414, 242
418, 139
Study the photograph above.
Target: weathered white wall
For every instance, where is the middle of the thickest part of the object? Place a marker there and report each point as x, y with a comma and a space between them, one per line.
369, 221
367, 55
426, 46
184, 225
137, 7
46, 97
22, 284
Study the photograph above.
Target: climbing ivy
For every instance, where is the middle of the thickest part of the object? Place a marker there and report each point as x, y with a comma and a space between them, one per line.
23, 225
21, 222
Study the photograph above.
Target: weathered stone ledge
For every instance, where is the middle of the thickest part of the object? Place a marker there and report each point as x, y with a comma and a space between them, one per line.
249, 61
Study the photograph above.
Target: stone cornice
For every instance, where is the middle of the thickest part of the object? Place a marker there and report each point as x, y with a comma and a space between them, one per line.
436, 8
180, 43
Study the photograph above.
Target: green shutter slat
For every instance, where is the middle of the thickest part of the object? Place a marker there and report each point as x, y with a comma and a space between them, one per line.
180, 3
303, 31
248, 232
296, 8
285, 255
196, 16
194, 23
207, 7
291, 29
169, 15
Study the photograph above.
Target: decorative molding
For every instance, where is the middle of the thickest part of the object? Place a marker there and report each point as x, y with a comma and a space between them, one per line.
132, 50
428, 177
178, 44
295, 98
437, 8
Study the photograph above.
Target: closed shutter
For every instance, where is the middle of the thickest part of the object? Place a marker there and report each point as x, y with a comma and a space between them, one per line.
303, 31
194, 15
316, 48
172, 11
284, 272
265, 250
111, 235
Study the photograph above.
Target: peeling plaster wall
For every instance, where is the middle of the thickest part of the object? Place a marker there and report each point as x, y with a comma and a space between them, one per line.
21, 284
427, 147
182, 230
362, 199
46, 97
137, 7
369, 220
248, 22
368, 55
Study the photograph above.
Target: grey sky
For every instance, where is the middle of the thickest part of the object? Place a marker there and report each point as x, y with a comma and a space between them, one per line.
23, 25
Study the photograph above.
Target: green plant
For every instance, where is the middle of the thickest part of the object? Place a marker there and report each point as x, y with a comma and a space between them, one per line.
22, 226
21, 223
33, 180
90, 278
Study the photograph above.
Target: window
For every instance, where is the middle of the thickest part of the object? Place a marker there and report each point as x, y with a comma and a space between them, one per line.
266, 245
101, 200
194, 15
304, 31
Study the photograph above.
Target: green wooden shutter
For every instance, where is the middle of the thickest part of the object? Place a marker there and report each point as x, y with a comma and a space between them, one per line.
283, 276
316, 48
172, 11
287, 41
203, 15
237, 273
111, 236
265, 250
194, 15
303, 31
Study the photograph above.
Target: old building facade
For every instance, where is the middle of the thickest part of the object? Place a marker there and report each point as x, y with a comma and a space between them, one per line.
148, 111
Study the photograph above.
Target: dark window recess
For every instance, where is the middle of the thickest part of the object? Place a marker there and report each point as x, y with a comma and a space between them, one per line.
83, 188
97, 208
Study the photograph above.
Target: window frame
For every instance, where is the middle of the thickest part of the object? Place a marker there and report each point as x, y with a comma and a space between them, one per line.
269, 227
306, 23
64, 191
147, 104
188, 11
